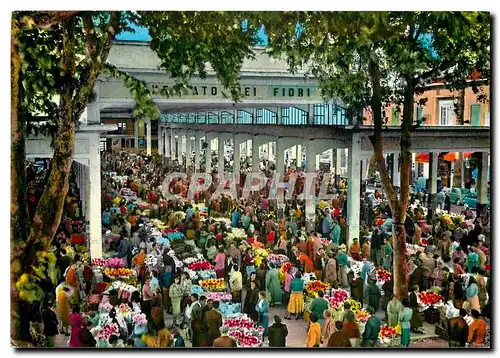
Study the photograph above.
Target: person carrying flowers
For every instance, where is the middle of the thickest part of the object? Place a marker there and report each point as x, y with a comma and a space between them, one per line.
405, 318
296, 304
342, 262
262, 308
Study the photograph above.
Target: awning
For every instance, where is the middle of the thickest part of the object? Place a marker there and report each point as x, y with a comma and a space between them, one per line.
422, 158
452, 156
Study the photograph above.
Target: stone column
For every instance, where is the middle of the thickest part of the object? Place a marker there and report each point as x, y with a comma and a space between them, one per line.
433, 168
168, 143
237, 156
136, 133
208, 153
255, 155
353, 190
311, 152
148, 137
197, 151
220, 164
94, 203
462, 172
160, 141
280, 156
299, 156
482, 185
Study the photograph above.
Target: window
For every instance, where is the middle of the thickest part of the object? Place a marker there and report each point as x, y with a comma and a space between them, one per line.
475, 113
395, 117
487, 119
420, 113
122, 127
445, 113
103, 145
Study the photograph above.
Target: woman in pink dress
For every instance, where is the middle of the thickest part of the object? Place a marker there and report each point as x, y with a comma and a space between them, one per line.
76, 322
220, 262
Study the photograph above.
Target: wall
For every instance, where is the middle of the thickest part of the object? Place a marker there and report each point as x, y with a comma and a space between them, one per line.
431, 108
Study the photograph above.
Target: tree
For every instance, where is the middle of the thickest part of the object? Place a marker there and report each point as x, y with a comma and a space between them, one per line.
369, 60
56, 59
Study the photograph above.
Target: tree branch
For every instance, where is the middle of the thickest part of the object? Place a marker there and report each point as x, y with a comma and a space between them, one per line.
46, 19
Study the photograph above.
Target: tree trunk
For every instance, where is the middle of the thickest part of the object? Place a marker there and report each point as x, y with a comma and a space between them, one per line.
400, 269
18, 187
398, 207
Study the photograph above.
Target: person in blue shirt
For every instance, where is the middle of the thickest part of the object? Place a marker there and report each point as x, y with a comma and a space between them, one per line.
342, 262
335, 233
235, 217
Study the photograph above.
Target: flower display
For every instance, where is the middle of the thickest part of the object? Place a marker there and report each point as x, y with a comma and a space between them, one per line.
430, 298
201, 265
239, 233
119, 272
386, 334
112, 262
315, 286
105, 307
245, 339
108, 330
140, 319
277, 260
218, 296
175, 236
362, 316
355, 305
229, 309
383, 275
325, 242
213, 285
243, 322
338, 297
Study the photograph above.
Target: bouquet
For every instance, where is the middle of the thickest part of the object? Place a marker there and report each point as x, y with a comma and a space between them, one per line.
355, 305
277, 260
218, 296
108, 331
140, 319
119, 272
325, 242
201, 265
245, 339
213, 285
430, 298
383, 275
175, 236
338, 297
105, 307
239, 233
386, 334
239, 323
362, 316
190, 260
313, 287
229, 309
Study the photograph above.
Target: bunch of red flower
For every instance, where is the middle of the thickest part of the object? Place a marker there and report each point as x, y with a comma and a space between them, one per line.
430, 298
286, 266
383, 275
239, 323
339, 296
387, 332
244, 339
315, 286
201, 266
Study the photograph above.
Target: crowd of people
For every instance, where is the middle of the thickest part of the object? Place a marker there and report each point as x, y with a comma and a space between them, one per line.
457, 262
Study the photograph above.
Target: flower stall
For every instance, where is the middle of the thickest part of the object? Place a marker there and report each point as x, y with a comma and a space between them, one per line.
337, 298
244, 331
387, 336
313, 287
213, 285
429, 302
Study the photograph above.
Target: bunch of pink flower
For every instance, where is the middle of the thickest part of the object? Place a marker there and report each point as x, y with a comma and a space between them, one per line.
383, 275
124, 309
140, 319
201, 266
277, 259
111, 262
245, 339
218, 296
338, 297
239, 323
108, 331
105, 306
325, 242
